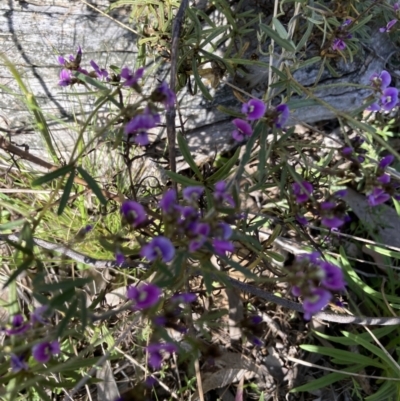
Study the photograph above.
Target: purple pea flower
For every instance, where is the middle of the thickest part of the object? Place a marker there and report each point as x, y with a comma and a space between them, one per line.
302, 191
388, 26
396, 7
386, 161
144, 296
192, 194
338, 44
158, 247
316, 302
131, 78
133, 213
377, 197
341, 193
301, 220
243, 130
384, 179
168, 202
381, 80
101, 72
333, 277
185, 298
119, 257
224, 231
254, 109
165, 95
155, 353
389, 98
200, 232
282, 117
373, 107
332, 221
38, 315
18, 363
221, 194
140, 124
222, 246
42, 352
66, 78
18, 326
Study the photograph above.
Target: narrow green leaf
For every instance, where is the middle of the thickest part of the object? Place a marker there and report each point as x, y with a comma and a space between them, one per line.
342, 355
93, 185
62, 171
67, 191
180, 179
183, 147
286, 44
57, 302
199, 82
20, 269
71, 312
64, 285
225, 170
280, 29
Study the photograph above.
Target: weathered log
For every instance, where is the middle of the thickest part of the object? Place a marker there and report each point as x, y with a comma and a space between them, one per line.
33, 33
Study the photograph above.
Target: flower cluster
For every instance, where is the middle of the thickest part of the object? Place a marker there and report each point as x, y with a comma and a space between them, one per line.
23, 329
389, 26
388, 96
341, 34
254, 110
332, 211
381, 187
143, 119
314, 280
188, 221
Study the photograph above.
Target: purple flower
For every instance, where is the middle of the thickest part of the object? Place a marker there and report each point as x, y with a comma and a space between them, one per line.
143, 296
38, 315
66, 78
192, 194
333, 277
18, 363
140, 124
133, 213
101, 72
347, 151
396, 7
155, 353
384, 179
316, 302
302, 191
201, 232
168, 202
388, 27
341, 193
119, 257
386, 161
381, 80
301, 220
282, 117
44, 351
389, 98
377, 197
254, 109
164, 94
338, 44
221, 194
131, 78
224, 231
18, 326
332, 221
185, 298
158, 247
373, 107
222, 246
243, 130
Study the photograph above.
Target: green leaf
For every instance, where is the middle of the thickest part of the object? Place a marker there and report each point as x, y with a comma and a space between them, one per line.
20, 269
188, 156
93, 185
284, 43
180, 179
57, 302
343, 356
71, 312
326, 381
225, 170
62, 171
199, 82
67, 191
64, 285
280, 28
